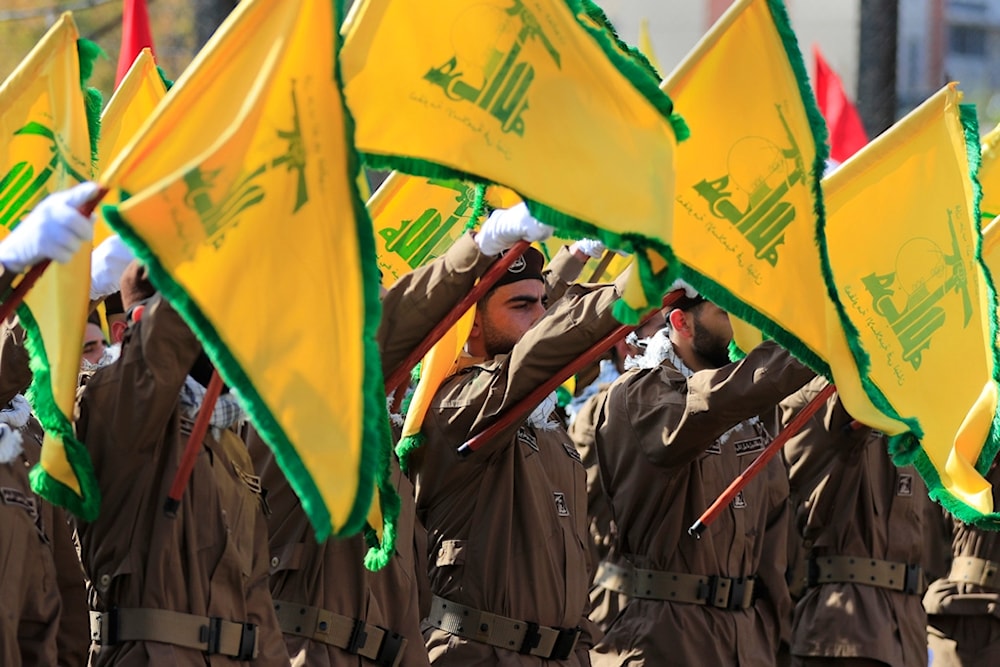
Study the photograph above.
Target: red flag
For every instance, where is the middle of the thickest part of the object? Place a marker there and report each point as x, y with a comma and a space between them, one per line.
847, 134
136, 35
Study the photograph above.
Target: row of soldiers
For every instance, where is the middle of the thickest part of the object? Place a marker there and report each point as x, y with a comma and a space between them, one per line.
537, 548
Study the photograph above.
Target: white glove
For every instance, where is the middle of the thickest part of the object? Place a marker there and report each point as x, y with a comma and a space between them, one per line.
54, 229
590, 247
505, 227
107, 263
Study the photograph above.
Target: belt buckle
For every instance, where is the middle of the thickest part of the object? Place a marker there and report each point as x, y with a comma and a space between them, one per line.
211, 635
912, 581
531, 638
565, 643
737, 590
733, 588
390, 652
248, 642
358, 638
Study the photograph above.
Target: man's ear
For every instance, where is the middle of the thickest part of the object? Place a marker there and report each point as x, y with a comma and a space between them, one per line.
679, 322
117, 331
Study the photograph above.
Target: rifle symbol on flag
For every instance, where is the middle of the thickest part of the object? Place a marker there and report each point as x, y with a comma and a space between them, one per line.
295, 157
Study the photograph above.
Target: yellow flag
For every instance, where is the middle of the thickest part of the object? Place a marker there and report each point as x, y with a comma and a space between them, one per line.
748, 198
130, 106
244, 205
915, 299
535, 95
989, 176
417, 219
46, 147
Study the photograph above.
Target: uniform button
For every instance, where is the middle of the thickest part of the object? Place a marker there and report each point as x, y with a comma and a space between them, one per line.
275, 561
105, 580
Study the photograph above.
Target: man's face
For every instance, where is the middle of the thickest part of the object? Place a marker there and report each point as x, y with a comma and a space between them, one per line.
506, 314
712, 334
93, 343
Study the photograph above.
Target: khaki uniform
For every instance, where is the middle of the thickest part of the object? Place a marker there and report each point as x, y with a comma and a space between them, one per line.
332, 575
963, 608
507, 526
73, 639
44, 595
605, 604
664, 459
855, 503
29, 614
209, 561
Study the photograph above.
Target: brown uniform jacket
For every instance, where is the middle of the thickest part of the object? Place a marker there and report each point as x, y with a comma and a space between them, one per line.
854, 502
662, 464
332, 575
507, 526
211, 560
71, 629
29, 620
963, 617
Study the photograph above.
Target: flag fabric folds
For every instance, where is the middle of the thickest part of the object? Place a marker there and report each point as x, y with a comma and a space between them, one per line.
244, 205
748, 198
48, 146
136, 36
847, 134
915, 300
520, 93
130, 106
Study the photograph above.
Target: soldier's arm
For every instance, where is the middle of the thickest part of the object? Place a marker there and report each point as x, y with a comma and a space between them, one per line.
419, 300
576, 322
157, 355
676, 431
15, 374
260, 605
561, 272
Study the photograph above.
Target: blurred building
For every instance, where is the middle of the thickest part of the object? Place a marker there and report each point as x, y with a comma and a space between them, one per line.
939, 41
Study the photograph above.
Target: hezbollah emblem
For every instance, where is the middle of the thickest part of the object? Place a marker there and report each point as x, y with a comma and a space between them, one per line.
909, 299
751, 195
218, 215
21, 187
429, 234
493, 75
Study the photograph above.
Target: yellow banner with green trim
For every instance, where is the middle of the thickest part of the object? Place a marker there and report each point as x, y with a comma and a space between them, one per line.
131, 105
915, 300
417, 219
535, 95
748, 199
244, 205
47, 147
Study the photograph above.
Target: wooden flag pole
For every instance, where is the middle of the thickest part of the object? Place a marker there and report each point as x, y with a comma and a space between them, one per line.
492, 275
603, 266
16, 297
737, 485
193, 446
529, 402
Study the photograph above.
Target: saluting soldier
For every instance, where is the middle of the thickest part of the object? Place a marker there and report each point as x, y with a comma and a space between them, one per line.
669, 440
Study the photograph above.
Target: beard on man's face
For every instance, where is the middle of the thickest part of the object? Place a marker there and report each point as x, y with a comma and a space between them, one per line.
496, 341
712, 348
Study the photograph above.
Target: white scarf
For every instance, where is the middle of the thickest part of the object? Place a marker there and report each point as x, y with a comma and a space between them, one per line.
12, 419
540, 418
